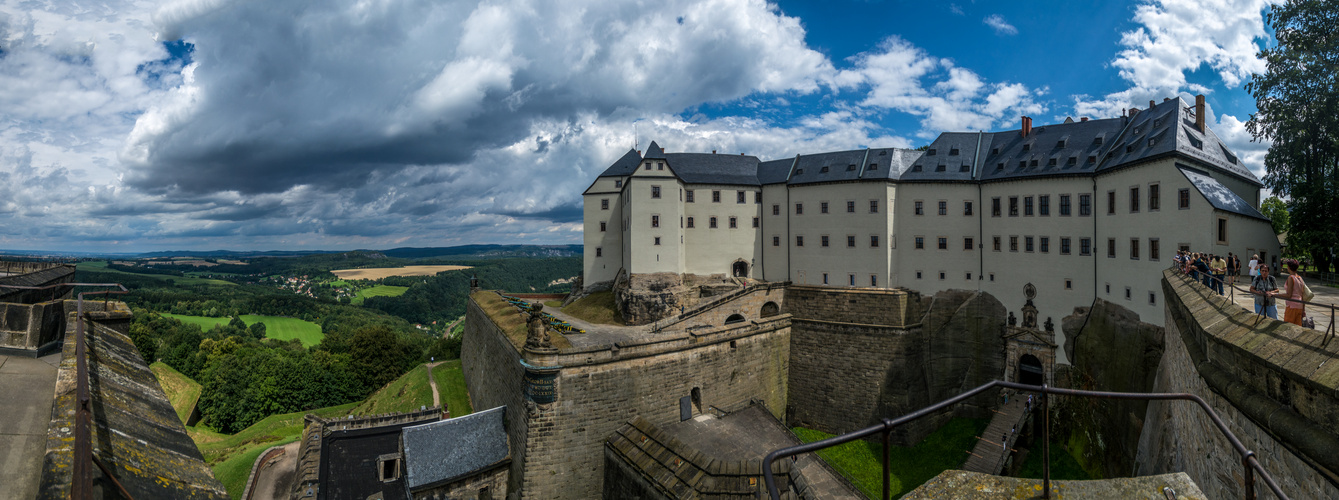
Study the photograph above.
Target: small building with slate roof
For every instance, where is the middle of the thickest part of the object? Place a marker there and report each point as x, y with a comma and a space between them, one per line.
1083, 209
462, 457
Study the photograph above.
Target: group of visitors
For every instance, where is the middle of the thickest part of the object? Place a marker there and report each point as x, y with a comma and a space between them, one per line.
1214, 270
1294, 291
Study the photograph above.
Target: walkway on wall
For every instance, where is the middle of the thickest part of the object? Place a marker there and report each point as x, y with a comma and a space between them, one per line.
988, 456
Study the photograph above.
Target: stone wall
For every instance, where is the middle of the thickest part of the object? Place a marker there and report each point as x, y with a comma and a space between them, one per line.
494, 376
650, 297
484, 484
751, 303
728, 367
1271, 383
33, 328
858, 356
1111, 350
41, 275
643, 462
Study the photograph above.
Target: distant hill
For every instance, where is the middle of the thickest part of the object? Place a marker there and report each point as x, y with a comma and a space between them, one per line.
488, 251
232, 253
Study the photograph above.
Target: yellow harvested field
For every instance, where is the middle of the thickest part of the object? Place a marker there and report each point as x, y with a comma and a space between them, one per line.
382, 272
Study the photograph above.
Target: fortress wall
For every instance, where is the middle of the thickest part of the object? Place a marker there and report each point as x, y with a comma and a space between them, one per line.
1270, 382
565, 443
495, 377
862, 355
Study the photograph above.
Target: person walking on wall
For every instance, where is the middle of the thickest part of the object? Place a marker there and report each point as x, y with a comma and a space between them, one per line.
1265, 289
1293, 311
1219, 267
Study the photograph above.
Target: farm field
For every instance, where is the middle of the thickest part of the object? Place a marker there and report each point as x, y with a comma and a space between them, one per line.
378, 291
100, 266
383, 272
276, 327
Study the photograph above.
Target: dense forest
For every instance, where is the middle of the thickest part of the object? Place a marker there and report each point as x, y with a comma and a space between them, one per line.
246, 377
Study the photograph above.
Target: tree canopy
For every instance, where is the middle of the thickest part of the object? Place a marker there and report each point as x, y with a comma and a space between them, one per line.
1297, 99
1277, 211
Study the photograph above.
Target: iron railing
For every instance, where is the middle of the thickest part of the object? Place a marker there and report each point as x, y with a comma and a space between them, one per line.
1249, 463
81, 484
1330, 331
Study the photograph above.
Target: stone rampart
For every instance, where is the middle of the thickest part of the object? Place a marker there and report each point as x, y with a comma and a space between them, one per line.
858, 356
573, 399
753, 302
495, 376
36, 274
34, 329
1273, 384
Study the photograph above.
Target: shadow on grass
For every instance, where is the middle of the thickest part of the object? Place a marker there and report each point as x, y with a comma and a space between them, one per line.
861, 461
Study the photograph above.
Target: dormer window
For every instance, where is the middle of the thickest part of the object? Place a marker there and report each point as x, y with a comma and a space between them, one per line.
999, 166
931, 152
1022, 164
1097, 141
1060, 143
823, 170
995, 151
618, 184
1051, 162
1129, 148
1027, 147
1136, 131
660, 165
1231, 158
1073, 160
1151, 141
941, 168
850, 168
1092, 158
799, 171
965, 168
915, 168
874, 166
953, 152
1034, 162
648, 165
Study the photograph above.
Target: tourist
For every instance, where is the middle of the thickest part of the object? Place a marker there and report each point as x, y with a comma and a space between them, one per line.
1190, 267
1265, 289
1294, 310
1254, 266
1219, 267
1202, 268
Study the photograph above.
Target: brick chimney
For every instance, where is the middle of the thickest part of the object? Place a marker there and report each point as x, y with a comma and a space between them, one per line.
1150, 104
1027, 125
1083, 119
1199, 112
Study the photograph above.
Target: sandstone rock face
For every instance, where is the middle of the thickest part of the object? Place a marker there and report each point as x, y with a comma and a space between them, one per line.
647, 298
1114, 351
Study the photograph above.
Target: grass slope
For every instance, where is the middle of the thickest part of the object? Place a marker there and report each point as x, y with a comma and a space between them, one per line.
403, 394
378, 291
231, 457
596, 308
1063, 465
861, 461
100, 266
451, 388
181, 391
276, 327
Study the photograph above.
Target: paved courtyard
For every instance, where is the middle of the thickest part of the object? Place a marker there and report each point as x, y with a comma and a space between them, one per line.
27, 387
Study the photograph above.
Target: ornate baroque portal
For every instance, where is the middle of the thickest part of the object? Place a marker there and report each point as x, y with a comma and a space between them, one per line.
1029, 349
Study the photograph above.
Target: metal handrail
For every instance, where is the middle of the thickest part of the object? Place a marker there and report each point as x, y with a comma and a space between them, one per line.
1249, 463
81, 484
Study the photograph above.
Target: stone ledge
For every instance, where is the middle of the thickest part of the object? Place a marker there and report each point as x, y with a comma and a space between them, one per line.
974, 485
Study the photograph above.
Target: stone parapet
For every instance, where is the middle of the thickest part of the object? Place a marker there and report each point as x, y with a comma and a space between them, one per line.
1274, 384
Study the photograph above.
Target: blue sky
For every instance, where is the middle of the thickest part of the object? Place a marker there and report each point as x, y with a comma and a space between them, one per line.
142, 125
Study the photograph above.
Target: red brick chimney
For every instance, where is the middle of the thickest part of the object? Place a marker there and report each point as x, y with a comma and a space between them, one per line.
1199, 112
1150, 104
1083, 119
1027, 125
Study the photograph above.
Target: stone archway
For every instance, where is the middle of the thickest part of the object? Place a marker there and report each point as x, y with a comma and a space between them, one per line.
1030, 370
734, 318
740, 269
770, 309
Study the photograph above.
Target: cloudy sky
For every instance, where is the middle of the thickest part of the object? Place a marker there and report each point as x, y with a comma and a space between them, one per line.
339, 124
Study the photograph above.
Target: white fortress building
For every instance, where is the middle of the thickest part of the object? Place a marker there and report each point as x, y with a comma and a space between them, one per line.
1082, 210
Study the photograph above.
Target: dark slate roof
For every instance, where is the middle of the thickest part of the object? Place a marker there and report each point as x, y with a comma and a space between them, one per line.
711, 168
1010, 155
654, 151
828, 167
1169, 127
1220, 196
888, 163
775, 171
624, 166
949, 158
441, 452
